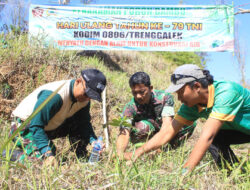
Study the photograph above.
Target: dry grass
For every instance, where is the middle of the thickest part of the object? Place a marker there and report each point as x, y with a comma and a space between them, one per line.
152, 171
23, 68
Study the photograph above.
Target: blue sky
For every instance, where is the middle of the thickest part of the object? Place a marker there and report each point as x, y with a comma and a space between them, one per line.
223, 65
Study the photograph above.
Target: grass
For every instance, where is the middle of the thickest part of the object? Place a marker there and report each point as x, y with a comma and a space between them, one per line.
24, 67
161, 171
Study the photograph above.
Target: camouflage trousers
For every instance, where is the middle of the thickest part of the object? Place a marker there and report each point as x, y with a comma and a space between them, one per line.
70, 128
145, 129
24, 141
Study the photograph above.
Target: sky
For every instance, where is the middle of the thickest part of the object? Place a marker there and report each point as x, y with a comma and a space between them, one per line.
222, 65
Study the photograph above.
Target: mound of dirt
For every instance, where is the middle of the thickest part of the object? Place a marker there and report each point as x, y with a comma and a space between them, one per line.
11, 81
17, 82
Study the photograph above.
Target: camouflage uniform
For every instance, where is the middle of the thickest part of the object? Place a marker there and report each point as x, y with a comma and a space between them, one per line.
24, 141
147, 118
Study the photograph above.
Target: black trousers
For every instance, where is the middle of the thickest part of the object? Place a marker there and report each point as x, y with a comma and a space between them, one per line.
78, 138
220, 147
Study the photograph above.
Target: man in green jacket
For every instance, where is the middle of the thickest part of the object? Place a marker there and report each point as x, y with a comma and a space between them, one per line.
67, 114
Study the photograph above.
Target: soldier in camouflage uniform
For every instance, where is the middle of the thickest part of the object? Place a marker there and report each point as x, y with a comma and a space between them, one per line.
148, 111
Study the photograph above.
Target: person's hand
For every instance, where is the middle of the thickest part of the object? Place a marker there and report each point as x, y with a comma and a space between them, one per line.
103, 146
128, 156
185, 172
50, 161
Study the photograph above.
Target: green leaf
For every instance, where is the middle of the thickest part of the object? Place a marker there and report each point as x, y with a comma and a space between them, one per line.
121, 122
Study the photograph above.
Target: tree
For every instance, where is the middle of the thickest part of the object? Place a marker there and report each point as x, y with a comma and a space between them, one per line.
64, 2
242, 11
87, 1
15, 14
240, 54
2, 5
239, 50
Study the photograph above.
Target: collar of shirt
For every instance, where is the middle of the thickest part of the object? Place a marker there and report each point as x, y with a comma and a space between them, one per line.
71, 87
210, 101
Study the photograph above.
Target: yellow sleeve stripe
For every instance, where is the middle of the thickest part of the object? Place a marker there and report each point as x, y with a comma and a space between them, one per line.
210, 102
183, 120
222, 116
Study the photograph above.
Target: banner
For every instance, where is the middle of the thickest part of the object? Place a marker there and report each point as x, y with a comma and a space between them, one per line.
140, 28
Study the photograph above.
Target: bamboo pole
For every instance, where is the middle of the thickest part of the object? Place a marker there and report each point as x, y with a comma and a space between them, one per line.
105, 125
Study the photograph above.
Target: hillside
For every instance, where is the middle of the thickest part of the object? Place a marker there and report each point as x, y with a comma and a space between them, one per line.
24, 67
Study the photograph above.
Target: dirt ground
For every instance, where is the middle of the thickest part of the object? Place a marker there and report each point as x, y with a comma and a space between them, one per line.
17, 82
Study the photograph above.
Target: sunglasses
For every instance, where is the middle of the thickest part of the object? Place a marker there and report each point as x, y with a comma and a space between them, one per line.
176, 77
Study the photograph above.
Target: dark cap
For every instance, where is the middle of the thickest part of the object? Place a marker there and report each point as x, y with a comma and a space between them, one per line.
95, 83
183, 75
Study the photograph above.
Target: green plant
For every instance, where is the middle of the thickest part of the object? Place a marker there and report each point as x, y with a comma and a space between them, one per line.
40, 74
5, 90
180, 58
122, 121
